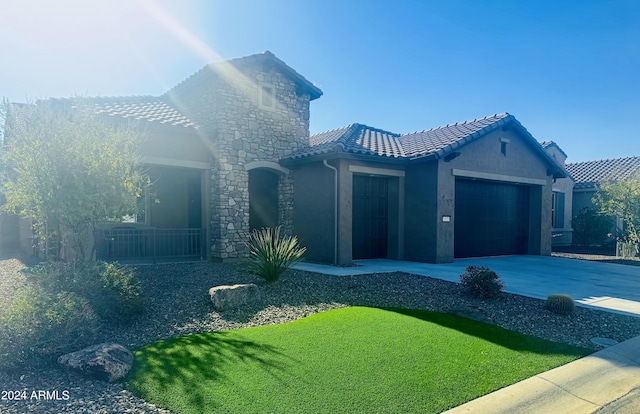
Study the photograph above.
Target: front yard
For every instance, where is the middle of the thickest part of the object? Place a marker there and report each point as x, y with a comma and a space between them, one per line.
355, 360
178, 305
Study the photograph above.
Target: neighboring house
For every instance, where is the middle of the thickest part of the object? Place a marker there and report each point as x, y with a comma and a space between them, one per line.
229, 151
589, 174
561, 200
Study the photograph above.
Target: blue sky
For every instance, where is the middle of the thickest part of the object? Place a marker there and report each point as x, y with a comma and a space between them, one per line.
569, 71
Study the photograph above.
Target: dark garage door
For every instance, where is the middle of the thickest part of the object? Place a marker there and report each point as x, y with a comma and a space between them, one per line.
491, 219
370, 217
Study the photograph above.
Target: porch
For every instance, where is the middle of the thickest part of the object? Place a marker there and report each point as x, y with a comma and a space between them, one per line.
151, 244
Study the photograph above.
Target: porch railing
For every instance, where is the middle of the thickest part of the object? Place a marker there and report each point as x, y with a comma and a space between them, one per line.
153, 244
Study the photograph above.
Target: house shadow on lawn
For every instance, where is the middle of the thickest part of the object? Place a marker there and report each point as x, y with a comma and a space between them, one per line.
180, 366
493, 333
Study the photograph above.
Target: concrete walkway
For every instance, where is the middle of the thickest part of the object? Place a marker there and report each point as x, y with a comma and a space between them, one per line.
605, 286
605, 382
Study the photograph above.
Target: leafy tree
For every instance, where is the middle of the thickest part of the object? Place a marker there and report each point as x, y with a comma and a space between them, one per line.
622, 199
68, 169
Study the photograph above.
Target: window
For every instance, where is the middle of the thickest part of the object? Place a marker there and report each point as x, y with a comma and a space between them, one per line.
557, 210
140, 215
266, 96
503, 145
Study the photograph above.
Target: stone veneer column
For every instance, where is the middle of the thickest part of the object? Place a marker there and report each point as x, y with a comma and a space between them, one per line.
285, 202
245, 133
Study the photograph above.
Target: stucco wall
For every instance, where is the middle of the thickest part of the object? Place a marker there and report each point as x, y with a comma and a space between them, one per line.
484, 155
421, 209
177, 143
563, 236
582, 199
313, 202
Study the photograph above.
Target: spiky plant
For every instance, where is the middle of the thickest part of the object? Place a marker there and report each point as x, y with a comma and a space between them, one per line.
272, 253
560, 304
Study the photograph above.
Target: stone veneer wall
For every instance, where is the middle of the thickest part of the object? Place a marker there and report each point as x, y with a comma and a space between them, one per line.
244, 132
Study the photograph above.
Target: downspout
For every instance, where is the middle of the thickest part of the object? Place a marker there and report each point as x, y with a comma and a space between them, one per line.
335, 210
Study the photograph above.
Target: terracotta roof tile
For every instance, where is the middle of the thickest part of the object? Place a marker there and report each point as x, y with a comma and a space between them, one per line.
589, 173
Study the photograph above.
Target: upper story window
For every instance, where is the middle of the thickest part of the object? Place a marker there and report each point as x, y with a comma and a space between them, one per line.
266, 96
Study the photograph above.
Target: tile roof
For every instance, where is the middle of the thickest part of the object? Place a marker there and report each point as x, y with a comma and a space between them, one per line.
203, 75
356, 139
363, 139
439, 140
548, 144
146, 108
589, 173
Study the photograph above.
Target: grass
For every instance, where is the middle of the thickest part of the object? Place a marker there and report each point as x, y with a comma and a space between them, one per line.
352, 360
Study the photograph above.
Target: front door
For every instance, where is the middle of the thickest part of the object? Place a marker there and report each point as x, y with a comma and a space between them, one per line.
370, 217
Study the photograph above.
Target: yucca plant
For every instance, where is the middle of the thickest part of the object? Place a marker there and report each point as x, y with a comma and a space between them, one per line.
271, 253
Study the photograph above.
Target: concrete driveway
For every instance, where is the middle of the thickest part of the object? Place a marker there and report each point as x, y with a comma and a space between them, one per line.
607, 286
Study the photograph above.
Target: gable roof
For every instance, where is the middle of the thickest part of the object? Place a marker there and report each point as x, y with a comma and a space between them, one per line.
163, 110
438, 142
264, 58
356, 139
588, 174
549, 144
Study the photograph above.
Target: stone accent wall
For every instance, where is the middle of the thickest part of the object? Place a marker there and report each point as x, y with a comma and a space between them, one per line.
243, 131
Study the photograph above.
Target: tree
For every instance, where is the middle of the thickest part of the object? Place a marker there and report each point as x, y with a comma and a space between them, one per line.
69, 170
622, 199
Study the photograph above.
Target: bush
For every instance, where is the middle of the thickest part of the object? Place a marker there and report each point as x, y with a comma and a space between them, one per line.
272, 254
590, 228
42, 324
110, 289
481, 282
560, 304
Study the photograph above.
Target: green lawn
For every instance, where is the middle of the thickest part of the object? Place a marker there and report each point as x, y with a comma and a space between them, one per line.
352, 360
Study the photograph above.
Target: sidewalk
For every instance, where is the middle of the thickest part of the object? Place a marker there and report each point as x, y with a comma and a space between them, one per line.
606, 382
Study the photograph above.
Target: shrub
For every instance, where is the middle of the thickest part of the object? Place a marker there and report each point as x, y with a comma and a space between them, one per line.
481, 282
590, 228
271, 254
560, 304
41, 324
110, 289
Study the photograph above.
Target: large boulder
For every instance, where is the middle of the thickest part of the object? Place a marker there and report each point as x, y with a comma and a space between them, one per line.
107, 361
229, 297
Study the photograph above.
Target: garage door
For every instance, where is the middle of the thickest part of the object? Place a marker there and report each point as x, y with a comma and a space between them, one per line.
491, 219
370, 217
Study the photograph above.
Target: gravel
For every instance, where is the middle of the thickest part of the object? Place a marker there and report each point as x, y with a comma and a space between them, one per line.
178, 304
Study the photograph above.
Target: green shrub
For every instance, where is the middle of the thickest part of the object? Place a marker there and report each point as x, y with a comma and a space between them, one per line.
560, 304
271, 254
481, 282
110, 289
42, 324
590, 228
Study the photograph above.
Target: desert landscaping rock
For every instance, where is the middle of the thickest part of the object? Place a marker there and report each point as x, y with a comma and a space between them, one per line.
107, 361
231, 297
176, 306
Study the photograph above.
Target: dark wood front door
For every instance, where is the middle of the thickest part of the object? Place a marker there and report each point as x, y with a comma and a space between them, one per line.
370, 217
